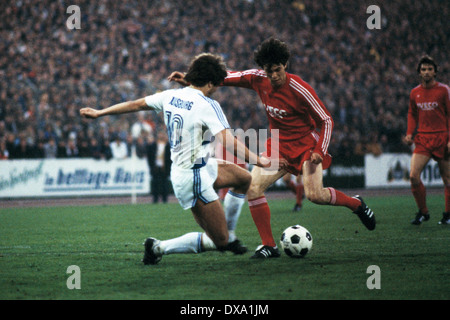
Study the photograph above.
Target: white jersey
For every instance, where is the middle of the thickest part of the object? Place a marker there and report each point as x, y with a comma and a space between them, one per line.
191, 119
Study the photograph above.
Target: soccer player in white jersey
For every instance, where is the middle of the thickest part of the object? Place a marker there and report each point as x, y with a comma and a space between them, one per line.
189, 114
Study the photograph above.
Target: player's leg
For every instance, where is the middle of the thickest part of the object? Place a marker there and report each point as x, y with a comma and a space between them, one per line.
237, 181
316, 193
444, 168
260, 211
296, 186
290, 184
418, 163
299, 193
211, 218
313, 184
209, 215
231, 175
188, 243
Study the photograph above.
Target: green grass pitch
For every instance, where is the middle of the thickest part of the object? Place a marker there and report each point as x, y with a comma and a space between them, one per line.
37, 245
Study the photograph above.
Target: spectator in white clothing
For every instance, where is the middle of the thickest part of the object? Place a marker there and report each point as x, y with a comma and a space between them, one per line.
119, 148
141, 127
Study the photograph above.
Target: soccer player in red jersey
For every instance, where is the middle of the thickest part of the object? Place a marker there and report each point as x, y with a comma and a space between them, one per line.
429, 115
294, 112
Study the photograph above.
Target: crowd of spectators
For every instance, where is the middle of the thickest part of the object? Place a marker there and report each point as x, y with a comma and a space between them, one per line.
126, 49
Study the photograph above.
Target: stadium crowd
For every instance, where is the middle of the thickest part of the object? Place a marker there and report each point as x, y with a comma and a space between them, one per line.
126, 50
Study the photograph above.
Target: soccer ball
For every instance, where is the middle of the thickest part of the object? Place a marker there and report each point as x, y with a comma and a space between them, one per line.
296, 241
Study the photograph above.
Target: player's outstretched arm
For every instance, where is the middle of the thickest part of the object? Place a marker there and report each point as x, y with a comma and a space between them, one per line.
120, 108
178, 77
236, 147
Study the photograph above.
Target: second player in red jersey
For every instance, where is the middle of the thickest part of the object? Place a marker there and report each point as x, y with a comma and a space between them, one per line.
429, 118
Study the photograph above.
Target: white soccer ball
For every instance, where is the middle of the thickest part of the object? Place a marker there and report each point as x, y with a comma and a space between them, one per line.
296, 241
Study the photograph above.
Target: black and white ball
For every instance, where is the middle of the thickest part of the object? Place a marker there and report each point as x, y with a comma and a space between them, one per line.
296, 241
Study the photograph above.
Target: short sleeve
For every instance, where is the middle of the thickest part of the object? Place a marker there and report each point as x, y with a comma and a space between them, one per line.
156, 101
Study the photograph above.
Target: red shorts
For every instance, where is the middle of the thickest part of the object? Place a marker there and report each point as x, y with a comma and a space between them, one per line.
295, 152
432, 145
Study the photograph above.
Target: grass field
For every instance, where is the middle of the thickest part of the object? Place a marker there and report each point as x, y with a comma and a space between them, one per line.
37, 245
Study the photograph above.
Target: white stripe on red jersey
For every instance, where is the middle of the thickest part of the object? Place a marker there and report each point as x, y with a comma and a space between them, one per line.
319, 110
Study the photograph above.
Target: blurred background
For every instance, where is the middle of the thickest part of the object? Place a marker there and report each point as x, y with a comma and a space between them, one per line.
126, 49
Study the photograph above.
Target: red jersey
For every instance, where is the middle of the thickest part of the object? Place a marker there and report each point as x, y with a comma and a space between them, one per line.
294, 109
429, 109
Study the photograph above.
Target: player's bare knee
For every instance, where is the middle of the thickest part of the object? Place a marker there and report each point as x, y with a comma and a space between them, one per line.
314, 198
244, 184
254, 191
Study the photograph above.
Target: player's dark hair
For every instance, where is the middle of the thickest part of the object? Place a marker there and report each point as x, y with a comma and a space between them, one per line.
271, 52
205, 68
427, 60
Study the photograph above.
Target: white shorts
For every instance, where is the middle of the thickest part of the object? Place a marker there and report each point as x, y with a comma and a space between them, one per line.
189, 185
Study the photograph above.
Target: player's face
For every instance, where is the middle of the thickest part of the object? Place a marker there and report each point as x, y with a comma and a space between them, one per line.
276, 74
427, 72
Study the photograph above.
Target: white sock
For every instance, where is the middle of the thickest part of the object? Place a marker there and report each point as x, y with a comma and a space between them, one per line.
188, 243
232, 205
207, 243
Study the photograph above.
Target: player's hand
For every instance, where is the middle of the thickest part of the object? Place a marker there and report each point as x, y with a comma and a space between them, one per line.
89, 113
178, 77
316, 158
282, 164
408, 139
264, 162
274, 164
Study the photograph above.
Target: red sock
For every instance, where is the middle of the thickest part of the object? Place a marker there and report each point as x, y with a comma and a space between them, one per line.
259, 208
447, 199
299, 193
291, 185
419, 192
339, 198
